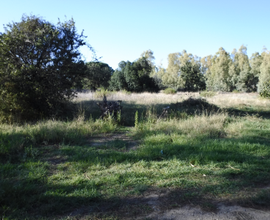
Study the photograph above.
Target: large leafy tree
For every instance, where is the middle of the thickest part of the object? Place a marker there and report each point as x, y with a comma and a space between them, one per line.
98, 74
192, 77
133, 76
190, 72
39, 64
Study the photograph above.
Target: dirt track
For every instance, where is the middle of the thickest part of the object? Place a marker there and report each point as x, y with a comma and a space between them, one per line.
223, 213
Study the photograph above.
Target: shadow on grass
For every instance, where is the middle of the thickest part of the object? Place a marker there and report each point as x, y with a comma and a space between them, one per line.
182, 109
25, 191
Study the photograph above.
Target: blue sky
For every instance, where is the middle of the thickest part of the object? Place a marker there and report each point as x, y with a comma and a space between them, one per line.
122, 29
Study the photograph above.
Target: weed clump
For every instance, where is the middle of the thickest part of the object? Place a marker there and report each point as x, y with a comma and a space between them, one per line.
207, 94
169, 91
100, 93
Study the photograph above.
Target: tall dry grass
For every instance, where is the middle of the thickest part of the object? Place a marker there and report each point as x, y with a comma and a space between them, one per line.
223, 100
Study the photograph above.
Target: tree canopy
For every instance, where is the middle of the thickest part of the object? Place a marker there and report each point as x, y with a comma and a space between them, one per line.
133, 76
98, 74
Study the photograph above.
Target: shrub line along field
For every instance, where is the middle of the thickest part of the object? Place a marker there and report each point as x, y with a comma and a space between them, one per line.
209, 149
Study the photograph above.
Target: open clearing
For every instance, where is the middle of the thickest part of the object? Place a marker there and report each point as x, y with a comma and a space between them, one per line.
207, 159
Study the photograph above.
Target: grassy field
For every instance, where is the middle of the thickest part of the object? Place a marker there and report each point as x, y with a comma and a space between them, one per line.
209, 148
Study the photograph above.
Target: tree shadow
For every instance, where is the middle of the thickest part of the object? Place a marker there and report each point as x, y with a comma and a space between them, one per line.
189, 107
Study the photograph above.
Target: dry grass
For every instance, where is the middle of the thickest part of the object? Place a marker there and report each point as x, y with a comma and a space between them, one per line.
145, 98
222, 100
238, 100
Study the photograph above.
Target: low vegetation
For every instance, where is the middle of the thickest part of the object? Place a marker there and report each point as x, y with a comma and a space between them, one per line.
204, 151
169, 91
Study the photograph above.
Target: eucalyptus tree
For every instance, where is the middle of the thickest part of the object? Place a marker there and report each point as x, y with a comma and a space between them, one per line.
255, 62
172, 77
149, 56
240, 71
206, 64
219, 78
264, 76
157, 74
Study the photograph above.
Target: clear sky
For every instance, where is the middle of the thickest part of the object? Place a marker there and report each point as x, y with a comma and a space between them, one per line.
122, 29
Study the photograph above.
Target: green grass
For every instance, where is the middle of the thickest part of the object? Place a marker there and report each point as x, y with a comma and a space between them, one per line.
55, 170
207, 94
169, 91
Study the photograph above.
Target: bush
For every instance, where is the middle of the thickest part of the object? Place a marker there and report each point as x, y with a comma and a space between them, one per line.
169, 91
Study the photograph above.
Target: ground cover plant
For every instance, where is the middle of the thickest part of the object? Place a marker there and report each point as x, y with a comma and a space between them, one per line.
205, 151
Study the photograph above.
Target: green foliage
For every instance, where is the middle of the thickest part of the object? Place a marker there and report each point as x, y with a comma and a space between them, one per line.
218, 78
169, 91
98, 74
242, 78
264, 77
170, 77
134, 77
192, 77
39, 64
228, 72
265, 91
183, 72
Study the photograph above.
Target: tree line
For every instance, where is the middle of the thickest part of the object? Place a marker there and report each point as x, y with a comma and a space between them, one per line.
220, 72
223, 71
41, 70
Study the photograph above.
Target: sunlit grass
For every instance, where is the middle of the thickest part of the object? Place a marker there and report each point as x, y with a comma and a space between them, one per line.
16, 137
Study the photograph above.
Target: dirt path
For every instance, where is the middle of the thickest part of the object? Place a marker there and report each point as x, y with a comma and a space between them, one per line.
223, 213
110, 138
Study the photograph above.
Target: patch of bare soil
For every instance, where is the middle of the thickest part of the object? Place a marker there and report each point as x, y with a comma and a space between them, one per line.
161, 203
223, 212
107, 139
155, 205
